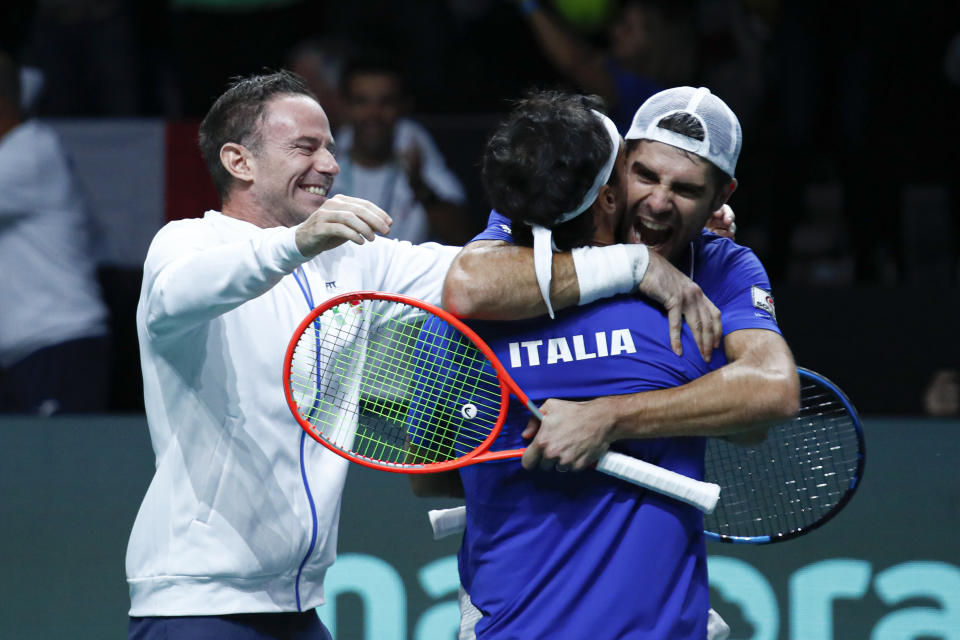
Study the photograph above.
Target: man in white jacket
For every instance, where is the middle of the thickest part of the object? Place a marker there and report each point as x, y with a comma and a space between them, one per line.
239, 524
241, 516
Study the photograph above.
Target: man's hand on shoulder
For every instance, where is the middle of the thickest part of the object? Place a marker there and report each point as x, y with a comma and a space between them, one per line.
683, 299
338, 220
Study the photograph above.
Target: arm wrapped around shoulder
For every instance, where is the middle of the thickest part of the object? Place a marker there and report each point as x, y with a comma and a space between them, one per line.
606, 271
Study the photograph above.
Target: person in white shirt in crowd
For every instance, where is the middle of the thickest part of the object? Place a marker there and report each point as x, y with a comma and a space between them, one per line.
54, 330
392, 161
320, 62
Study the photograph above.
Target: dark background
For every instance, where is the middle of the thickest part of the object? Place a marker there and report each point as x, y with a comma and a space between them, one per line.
848, 188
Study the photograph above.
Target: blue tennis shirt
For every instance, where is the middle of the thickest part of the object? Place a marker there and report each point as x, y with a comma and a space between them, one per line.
583, 555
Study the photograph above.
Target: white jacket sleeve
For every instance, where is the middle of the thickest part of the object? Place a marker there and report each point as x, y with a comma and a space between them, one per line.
416, 270
190, 278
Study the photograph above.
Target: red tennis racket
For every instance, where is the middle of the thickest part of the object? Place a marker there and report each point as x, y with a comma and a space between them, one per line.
398, 384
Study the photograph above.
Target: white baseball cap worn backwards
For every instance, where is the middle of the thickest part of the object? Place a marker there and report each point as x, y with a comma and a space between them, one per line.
722, 134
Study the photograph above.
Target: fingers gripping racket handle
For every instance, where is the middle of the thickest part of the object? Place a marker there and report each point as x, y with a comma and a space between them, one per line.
702, 495
446, 522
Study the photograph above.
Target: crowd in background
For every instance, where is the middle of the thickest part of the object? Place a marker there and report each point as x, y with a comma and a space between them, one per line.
843, 105
850, 156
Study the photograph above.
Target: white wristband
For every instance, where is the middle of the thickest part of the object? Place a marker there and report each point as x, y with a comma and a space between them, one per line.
606, 271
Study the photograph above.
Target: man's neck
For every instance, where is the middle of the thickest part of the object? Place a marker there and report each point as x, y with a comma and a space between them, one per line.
241, 207
684, 259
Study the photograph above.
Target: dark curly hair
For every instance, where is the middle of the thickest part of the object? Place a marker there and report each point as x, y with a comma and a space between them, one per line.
541, 161
236, 116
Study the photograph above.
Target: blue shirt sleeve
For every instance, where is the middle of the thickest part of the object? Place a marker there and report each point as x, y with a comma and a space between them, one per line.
734, 280
498, 228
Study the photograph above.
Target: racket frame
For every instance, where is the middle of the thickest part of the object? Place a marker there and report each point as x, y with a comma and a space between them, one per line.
479, 454
848, 494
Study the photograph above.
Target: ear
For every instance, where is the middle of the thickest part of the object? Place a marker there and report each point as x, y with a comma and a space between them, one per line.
724, 194
605, 219
238, 161
607, 199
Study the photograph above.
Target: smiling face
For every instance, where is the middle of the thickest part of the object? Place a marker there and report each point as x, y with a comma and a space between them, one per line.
292, 159
670, 195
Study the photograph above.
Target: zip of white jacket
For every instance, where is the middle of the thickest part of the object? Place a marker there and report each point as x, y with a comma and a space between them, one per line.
241, 515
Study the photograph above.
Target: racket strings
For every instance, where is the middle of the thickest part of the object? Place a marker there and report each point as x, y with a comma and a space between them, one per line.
451, 378
393, 384
794, 478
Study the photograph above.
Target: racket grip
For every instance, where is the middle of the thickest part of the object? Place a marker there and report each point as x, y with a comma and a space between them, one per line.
702, 495
446, 522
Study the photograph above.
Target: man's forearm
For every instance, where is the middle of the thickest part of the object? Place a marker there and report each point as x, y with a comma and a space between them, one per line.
756, 390
494, 280
727, 401
759, 387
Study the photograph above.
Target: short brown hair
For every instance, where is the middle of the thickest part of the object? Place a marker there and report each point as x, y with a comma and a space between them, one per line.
236, 115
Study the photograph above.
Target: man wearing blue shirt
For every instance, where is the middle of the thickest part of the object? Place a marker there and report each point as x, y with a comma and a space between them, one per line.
492, 279
548, 555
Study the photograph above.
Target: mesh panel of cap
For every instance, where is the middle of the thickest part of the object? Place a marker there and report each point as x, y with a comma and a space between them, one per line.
723, 137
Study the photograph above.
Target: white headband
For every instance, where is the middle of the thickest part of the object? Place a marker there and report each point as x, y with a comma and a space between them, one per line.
543, 246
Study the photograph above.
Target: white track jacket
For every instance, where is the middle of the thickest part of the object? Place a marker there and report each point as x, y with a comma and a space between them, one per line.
242, 512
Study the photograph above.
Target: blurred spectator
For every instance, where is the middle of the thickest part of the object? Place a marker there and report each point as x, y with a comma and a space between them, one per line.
88, 54
951, 61
732, 45
417, 33
942, 396
31, 86
820, 85
320, 62
215, 39
853, 113
652, 44
54, 345
393, 162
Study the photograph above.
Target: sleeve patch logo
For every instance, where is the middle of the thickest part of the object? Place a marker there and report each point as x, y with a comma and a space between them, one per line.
763, 300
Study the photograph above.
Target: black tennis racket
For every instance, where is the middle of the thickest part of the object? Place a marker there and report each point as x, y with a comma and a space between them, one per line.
800, 477
797, 479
